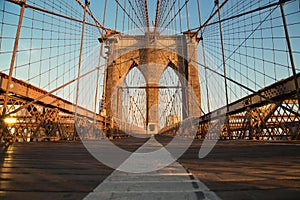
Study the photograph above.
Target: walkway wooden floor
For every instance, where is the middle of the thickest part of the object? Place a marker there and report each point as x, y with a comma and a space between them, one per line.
233, 170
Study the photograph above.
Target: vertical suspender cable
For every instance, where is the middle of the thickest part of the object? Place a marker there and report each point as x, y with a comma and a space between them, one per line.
80, 61
104, 12
174, 12
128, 24
13, 57
224, 62
97, 91
288, 42
123, 24
116, 19
156, 15
204, 57
180, 23
187, 16
147, 15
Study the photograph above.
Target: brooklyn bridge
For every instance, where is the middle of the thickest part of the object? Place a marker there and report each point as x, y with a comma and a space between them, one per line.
138, 99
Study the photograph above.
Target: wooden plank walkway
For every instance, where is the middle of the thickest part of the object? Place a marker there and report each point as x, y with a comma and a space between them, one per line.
233, 170
170, 182
248, 170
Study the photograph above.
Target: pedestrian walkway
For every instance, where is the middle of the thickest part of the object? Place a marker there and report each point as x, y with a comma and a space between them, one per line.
171, 182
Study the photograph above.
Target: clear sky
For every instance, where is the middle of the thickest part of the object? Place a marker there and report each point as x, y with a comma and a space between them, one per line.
97, 7
255, 46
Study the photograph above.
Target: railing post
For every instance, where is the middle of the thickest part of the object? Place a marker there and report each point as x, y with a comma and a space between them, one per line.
288, 42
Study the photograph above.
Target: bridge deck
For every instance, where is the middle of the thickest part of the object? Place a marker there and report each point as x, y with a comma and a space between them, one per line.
233, 170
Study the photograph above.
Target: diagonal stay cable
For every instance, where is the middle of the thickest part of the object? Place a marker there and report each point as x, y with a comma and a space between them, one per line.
243, 86
186, 1
166, 17
117, 1
135, 12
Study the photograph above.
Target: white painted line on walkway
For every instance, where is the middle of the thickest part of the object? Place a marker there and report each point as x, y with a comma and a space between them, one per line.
172, 182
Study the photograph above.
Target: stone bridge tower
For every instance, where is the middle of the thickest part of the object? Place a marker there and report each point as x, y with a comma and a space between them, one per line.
152, 54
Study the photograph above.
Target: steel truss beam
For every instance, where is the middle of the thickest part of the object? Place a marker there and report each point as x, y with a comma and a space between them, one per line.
253, 117
49, 118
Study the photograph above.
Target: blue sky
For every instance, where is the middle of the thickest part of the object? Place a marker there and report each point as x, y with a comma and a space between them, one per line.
97, 7
48, 48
